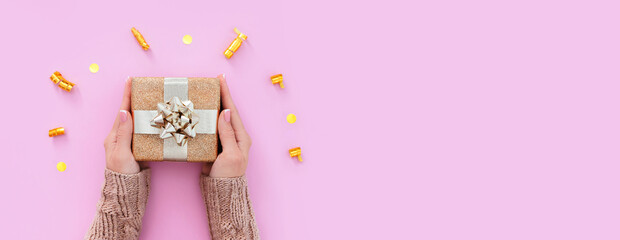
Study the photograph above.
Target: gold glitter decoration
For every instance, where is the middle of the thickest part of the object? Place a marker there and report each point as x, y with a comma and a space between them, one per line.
235, 44
56, 131
140, 39
57, 78
277, 79
295, 152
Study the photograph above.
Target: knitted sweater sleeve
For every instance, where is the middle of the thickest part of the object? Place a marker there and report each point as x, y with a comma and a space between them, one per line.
121, 207
229, 208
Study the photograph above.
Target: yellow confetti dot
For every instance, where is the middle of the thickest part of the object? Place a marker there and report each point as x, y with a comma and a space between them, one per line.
291, 118
187, 39
61, 166
94, 68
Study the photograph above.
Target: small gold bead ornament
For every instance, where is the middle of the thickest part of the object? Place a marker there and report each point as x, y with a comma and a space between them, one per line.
56, 132
57, 78
140, 39
94, 68
291, 118
187, 39
235, 44
61, 166
295, 152
277, 79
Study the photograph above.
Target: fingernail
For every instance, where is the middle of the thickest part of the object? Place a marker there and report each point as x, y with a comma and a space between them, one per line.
123, 114
127, 78
224, 76
227, 115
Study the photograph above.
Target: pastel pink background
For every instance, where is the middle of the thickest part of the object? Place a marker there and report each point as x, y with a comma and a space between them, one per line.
417, 119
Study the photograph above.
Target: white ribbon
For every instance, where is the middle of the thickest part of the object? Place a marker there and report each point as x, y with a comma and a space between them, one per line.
174, 87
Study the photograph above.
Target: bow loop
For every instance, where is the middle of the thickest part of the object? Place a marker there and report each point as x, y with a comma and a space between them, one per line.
176, 119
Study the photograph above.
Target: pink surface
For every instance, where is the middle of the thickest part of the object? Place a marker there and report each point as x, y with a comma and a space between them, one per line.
417, 120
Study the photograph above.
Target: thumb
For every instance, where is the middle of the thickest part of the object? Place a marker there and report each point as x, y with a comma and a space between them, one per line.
226, 131
124, 133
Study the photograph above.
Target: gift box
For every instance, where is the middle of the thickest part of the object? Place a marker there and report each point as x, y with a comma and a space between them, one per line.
175, 119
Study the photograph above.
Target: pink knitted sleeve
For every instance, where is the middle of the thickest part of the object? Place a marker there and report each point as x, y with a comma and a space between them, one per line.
229, 208
121, 207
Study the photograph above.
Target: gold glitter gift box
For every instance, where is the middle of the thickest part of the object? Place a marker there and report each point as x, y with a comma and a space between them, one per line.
175, 119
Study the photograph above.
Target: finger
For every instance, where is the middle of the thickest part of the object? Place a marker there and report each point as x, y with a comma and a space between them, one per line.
227, 102
124, 133
125, 105
111, 138
126, 102
226, 132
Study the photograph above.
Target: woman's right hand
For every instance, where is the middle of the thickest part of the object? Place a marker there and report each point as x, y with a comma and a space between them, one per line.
236, 142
